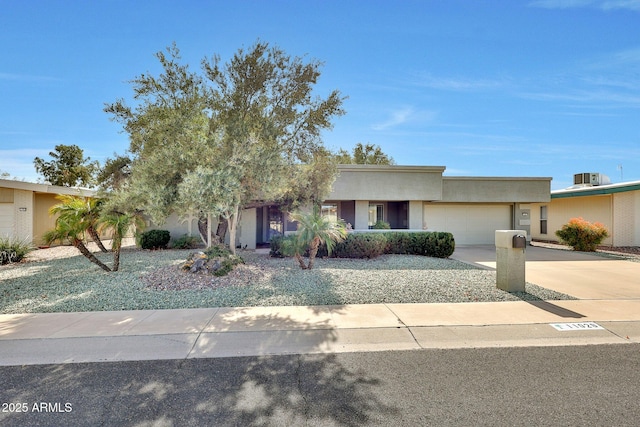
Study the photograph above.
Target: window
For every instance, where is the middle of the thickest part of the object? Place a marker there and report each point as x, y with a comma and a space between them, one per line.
376, 213
543, 220
275, 222
330, 210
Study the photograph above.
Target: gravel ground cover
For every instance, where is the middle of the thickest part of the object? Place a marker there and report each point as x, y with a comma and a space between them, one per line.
153, 280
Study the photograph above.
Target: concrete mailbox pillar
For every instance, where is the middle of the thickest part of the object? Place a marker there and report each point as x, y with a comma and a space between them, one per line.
510, 247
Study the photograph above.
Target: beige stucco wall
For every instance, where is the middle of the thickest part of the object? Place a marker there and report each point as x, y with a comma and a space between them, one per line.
388, 183
626, 218
560, 211
30, 204
495, 189
23, 208
362, 215
416, 215
42, 221
247, 229
178, 227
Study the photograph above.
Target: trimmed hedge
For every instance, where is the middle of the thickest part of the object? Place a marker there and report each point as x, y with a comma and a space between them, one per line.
155, 239
372, 245
361, 245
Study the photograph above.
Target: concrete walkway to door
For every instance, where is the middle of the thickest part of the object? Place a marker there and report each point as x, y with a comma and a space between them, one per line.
583, 275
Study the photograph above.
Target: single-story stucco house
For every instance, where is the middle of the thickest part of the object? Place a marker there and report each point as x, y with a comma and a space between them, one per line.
24, 208
408, 198
595, 199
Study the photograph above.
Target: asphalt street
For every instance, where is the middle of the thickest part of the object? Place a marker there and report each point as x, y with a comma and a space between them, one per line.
579, 385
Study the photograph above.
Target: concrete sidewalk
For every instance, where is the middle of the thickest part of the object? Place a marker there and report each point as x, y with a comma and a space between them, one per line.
608, 290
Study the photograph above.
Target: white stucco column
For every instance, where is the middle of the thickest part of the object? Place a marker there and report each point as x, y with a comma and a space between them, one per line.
415, 214
362, 215
247, 229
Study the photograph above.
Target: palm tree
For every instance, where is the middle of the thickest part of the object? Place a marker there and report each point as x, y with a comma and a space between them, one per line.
87, 210
314, 230
70, 227
119, 223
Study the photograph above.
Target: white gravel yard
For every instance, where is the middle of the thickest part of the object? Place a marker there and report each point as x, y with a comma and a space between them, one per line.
61, 280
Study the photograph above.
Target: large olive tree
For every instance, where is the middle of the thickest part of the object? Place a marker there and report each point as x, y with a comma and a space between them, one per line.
242, 125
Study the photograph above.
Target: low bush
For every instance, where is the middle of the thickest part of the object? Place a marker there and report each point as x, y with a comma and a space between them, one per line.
372, 245
13, 250
439, 244
217, 251
186, 242
433, 244
361, 245
582, 235
227, 265
155, 239
381, 225
398, 242
216, 260
275, 246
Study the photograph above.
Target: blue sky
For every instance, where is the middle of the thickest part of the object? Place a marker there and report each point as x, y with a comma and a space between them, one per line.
485, 88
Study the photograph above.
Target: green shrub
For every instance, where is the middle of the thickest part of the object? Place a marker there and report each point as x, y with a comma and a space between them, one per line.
398, 242
371, 245
227, 265
13, 250
275, 246
186, 242
155, 239
361, 245
381, 225
439, 244
217, 251
582, 235
216, 260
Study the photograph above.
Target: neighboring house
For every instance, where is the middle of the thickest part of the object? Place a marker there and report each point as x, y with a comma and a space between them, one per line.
617, 206
408, 198
24, 208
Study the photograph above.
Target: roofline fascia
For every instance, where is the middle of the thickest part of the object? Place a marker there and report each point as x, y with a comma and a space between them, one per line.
47, 188
498, 178
595, 191
391, 168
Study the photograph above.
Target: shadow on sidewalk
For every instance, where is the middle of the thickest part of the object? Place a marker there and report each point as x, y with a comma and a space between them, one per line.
554, 309
294, 389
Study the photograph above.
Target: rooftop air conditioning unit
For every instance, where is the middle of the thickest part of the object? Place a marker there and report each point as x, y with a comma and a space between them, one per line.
590, 178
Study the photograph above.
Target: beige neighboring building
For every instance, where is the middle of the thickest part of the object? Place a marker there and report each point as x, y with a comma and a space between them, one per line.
24, 208
408, 198
617, 206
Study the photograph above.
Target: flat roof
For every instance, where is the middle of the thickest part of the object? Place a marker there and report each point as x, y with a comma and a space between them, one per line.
596, 190
391, 168
46, 188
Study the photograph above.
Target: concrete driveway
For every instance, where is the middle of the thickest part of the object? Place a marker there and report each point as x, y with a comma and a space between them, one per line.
579, 274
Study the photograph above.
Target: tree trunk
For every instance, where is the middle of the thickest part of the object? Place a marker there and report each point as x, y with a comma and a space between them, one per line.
202, 228
221, 231
116, 246
116, 259
91, 257
96, 238
300, 261
313, 251
233, 226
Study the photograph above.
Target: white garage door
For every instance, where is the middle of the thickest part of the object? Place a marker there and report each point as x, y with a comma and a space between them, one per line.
6, 219
469, 224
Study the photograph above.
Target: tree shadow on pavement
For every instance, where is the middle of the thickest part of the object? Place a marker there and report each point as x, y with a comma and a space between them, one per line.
292, 389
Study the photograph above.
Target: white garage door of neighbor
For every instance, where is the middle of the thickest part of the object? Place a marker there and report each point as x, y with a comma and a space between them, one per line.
470, 225
6, 219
